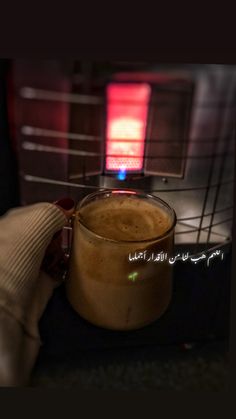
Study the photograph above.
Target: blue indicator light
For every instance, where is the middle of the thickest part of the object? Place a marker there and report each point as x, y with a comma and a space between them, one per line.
122, 174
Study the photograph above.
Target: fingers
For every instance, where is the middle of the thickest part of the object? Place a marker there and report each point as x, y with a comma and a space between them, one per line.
66, 205
55, 262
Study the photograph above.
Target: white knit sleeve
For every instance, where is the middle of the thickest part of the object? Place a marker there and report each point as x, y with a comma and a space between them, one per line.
25, 234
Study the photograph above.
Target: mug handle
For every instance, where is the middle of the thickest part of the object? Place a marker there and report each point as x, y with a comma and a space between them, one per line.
58, 269
66, 246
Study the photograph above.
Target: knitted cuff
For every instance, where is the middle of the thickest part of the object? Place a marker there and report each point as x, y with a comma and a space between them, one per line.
25, 234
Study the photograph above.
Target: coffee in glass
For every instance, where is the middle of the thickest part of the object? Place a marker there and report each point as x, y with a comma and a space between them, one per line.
105, 285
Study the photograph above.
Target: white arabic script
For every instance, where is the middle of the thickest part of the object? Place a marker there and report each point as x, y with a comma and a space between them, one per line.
162, 257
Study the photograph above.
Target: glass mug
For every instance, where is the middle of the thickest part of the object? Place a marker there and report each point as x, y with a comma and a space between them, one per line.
106, 284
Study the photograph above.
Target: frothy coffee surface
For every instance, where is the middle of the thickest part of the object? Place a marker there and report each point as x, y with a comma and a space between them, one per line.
125, 218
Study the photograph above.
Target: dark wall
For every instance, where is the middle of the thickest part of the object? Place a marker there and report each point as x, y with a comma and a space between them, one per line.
9, 193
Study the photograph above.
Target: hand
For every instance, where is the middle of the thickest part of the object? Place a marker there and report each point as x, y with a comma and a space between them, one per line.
29, 239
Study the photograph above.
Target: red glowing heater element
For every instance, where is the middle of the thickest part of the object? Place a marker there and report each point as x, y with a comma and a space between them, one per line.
127, 108
119, 191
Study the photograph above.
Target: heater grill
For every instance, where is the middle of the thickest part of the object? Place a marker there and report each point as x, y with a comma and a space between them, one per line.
75, 132
127, 109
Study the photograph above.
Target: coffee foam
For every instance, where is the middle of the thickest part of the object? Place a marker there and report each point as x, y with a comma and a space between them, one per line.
125, 218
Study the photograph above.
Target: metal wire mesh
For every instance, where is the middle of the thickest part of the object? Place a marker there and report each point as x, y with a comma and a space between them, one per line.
56, 160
